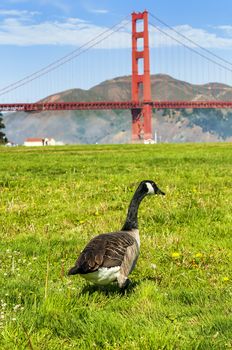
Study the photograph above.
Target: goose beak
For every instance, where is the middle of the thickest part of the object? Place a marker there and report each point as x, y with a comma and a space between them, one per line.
158, 191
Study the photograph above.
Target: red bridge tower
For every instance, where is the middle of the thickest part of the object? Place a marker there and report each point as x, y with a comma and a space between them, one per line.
141, 84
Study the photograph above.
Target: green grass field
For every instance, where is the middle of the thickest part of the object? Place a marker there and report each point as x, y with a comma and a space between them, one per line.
53, 200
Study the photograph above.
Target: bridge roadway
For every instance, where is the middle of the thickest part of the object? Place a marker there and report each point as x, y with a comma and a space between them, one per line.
103, 105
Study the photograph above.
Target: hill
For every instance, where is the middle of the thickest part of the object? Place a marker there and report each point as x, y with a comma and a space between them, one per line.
115, 126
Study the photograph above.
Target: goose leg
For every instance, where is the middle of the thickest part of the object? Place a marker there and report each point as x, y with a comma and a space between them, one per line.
124, 288
123, 281
126, 284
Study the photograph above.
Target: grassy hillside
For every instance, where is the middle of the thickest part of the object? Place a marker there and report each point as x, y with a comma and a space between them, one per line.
217, 122
53, 200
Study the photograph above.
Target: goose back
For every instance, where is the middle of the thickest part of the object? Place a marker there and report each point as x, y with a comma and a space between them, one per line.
104, 251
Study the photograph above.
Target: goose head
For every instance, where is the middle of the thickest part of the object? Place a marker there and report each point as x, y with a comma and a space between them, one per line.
149, 187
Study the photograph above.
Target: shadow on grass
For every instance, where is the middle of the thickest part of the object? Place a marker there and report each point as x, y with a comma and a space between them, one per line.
113, 289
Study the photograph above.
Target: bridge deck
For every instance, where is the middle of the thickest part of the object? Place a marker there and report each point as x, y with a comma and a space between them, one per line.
64, 106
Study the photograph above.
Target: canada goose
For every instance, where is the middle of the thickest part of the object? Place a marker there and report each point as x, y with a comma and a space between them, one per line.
111, 257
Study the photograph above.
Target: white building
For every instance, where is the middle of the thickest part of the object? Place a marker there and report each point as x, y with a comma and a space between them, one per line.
37, 141
149, 141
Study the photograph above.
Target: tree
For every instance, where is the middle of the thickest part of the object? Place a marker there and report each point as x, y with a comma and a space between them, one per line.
3, 138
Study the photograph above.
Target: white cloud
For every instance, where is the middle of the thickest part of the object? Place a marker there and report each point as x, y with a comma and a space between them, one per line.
100, 11
61, 5
72, 31
227, 29
15, 30
90, 6
17, 1
17, 13
200, 36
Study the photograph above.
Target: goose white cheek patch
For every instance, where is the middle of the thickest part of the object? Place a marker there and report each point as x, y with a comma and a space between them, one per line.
150, 188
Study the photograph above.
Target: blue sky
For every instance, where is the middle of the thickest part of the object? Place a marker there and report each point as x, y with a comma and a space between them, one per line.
35, 33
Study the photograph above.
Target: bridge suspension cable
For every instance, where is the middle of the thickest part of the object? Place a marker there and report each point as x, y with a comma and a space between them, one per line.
190, 40
70, 56
190, 48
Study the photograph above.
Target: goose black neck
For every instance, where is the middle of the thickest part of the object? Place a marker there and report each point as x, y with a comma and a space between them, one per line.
132, 215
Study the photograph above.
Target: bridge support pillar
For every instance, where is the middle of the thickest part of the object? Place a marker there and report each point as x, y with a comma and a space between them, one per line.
147, 121
141, 84
137, 125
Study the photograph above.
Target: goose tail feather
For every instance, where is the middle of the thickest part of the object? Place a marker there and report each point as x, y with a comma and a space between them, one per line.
74, 271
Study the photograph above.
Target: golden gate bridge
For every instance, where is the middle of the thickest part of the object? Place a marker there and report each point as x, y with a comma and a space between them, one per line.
141, 104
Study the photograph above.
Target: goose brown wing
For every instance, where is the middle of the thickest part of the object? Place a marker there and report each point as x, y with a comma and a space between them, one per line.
106, 250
